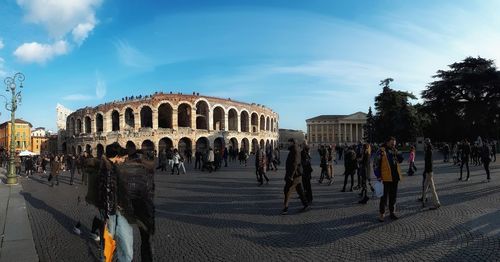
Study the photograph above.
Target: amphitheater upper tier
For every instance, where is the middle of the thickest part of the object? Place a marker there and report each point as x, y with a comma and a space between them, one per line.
180, 121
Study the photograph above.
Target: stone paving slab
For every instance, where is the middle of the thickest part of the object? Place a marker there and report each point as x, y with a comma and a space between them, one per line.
225, 216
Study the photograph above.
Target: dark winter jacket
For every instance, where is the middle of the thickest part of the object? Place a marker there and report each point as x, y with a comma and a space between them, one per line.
293, 168
428, 159
305, 160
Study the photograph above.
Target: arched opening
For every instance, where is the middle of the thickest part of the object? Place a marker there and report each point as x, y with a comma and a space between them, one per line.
219, 144
130, 146
255, 145
129, 118
99, 150
73, 126
272, 124
64, 148
113, 149
79, 150
99, 123
115, 121
88, 149
164, 144
73, 150
244, 119
88, 125
184, 115
219, 118
267, 144
184, 146
146, 117
232, 120
245, 145
78, 126
233, 144
148, 146
165, 116
262, 144
202, 144
202, 115
262, 123
268, 124
255, 122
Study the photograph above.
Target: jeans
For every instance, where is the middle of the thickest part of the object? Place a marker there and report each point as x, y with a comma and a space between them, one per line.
390, 191
346, 177
487, 168
465, 162
122, 233
72, 172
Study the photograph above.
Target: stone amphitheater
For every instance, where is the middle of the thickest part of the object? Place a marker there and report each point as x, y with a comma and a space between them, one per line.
162, 121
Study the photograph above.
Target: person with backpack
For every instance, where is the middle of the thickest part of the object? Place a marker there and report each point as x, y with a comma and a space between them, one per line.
386, 168
429, 176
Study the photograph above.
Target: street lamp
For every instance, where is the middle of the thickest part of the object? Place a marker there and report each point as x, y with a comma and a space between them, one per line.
11, 86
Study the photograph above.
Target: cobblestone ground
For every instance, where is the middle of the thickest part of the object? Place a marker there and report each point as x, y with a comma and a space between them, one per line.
225, 216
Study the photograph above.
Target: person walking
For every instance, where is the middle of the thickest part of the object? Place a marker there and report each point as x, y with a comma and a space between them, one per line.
260, 166
365, 172
55, 170
411, 162
210, 160
351, 166
225, 155
429, 177
329, 164
175, 161
243, 156
293, 177
305, 158
72, 168
386, 168
486, 159
198, 159
162, 161
29, 166
465, 157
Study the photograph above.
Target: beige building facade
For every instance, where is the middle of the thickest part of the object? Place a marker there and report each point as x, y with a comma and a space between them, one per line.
335, 129
163, 121
286, 134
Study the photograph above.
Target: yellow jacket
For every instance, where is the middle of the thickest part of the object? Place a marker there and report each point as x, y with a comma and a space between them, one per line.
382, 168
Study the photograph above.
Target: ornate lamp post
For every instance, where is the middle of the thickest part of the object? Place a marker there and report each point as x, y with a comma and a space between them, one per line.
11, 86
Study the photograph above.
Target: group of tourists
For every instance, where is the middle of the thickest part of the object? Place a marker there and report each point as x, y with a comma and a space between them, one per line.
174, 160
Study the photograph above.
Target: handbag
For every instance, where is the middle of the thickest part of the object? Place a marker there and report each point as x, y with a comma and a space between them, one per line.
379, 188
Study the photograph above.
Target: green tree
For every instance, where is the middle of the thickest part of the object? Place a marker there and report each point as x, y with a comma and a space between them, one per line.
395, 116
369, 127
463, 101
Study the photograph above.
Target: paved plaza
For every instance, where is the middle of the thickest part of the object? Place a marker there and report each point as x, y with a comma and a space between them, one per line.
225, 216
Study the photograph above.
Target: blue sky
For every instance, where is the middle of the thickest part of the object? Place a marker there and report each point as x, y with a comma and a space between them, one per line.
300, 58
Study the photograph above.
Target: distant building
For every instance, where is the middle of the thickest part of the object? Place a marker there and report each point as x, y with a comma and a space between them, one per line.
286, 134
39, 140
52, 144
62, 114
330, 129
23, 135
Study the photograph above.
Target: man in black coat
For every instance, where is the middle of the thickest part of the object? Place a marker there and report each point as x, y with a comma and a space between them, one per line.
293, 177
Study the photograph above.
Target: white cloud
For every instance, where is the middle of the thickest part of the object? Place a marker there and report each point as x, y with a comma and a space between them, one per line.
1, 43
60, 17
131, 56
40, 53
100, 92
3, 73
81, 32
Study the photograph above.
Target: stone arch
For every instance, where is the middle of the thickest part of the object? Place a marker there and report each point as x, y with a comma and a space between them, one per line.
165, 144
99, 150
219, 144
79, 150
88, 149
219, 118
148, 146
99, 123
268, 124
184, 115
244, 121
262, 144
202, 144
233, 143
78, 126
129, 118
245, 145
146, 117
268, 144
115, 121
184, 144
262, 123
255, 122
73, 125
88, 125
202, 114
165, 112
255, 145
232, 117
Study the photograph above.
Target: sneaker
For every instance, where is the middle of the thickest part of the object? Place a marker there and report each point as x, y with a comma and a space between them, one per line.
381, 218
284, 211
76, 231
331, 182
393, 217
435, 207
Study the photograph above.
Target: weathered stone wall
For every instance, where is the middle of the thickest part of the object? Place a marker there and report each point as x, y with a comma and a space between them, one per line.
176, 123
